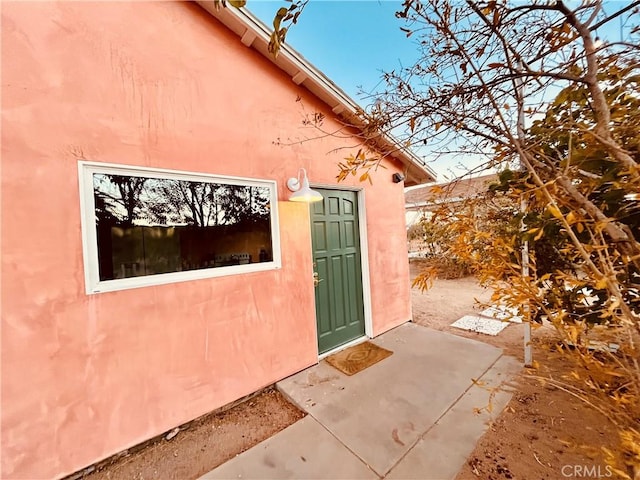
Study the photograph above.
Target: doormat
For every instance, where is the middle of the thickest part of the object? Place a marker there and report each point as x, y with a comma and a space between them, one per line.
355, 359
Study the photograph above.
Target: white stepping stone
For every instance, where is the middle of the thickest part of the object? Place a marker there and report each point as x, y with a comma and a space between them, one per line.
476, 323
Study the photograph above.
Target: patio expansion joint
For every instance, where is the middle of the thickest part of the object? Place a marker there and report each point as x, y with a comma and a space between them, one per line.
434, 424
303, 408
345, 446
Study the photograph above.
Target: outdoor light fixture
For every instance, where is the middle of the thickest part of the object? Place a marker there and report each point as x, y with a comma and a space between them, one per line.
397, 177
302, 193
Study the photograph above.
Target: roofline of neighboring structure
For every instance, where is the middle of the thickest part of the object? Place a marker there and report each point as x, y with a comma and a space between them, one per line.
432, 203
411, 206
255, 34
461, 178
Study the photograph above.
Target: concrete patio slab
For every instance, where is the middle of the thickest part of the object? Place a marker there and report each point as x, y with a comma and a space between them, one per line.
445, 447
304, 450
380, 413
415, 415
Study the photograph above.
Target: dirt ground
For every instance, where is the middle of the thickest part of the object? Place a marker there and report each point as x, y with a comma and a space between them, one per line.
205, 443
544, 433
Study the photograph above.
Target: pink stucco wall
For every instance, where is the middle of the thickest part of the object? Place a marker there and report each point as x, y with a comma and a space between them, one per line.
163, 85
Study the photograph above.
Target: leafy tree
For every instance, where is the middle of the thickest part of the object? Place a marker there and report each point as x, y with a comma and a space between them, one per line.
181, 201
480, 88
121, 202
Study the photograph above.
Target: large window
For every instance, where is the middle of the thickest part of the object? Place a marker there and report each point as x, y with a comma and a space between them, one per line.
148, 226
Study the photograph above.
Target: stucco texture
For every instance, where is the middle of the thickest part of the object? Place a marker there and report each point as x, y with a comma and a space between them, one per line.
162, 85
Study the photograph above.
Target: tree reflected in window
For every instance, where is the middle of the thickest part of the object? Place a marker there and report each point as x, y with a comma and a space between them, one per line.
148, 226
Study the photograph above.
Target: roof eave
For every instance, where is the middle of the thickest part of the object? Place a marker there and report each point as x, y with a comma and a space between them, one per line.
253, 33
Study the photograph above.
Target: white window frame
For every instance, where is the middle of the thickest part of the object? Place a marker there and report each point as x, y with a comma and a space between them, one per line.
93, 284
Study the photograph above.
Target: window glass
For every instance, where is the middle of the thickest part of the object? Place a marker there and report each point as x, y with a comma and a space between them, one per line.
152, 224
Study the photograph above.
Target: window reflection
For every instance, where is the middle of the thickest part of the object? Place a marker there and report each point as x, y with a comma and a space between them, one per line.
147, 226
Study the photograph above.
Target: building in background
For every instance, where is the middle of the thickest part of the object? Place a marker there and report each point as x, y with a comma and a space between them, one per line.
422, 200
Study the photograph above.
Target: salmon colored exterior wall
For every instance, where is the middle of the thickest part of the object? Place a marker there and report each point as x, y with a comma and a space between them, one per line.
160, 85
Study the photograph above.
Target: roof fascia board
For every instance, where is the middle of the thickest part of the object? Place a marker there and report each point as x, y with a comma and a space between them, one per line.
242, 22
287, 55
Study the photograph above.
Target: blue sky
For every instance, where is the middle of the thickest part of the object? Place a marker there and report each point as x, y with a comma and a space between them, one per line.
354, 41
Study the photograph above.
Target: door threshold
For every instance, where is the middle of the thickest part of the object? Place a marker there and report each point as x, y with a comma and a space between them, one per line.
351, 343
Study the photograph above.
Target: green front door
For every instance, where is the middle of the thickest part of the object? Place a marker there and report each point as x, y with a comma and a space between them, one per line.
337, 263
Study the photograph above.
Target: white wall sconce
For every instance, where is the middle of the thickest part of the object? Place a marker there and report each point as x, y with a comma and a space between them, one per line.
303, 192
